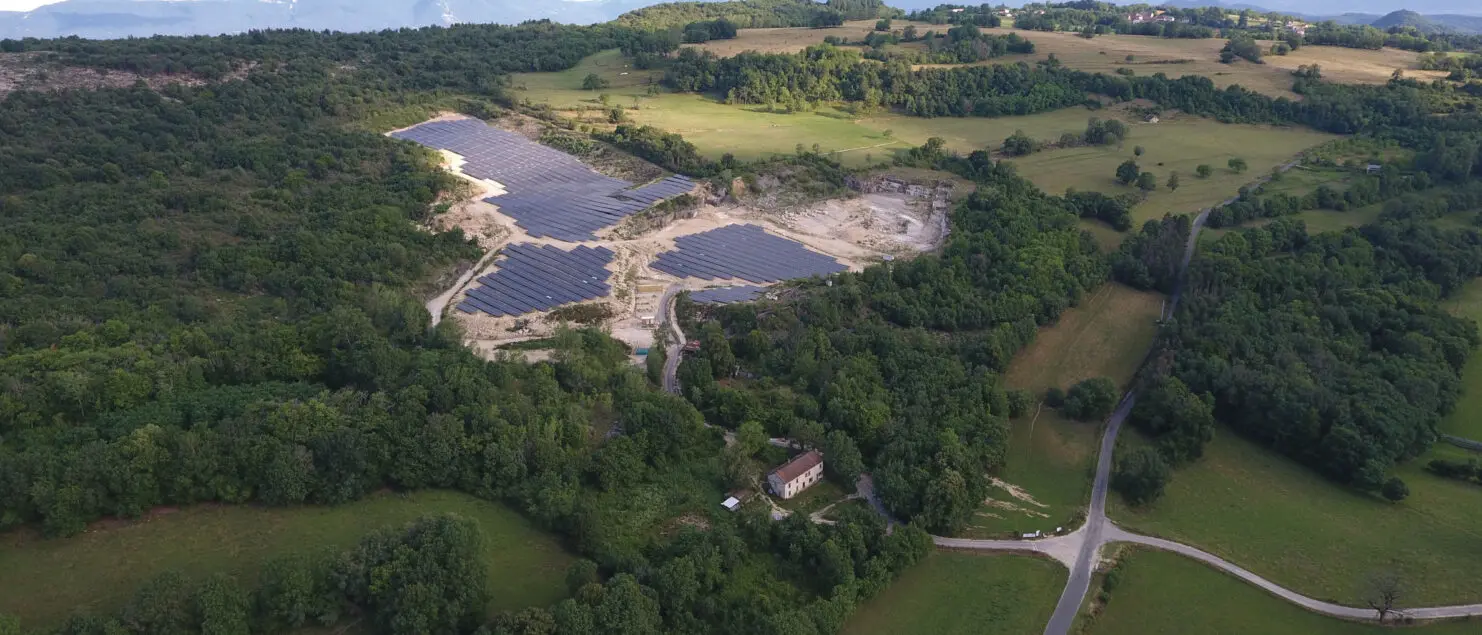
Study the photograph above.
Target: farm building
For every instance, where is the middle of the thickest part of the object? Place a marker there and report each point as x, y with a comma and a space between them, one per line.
796, 475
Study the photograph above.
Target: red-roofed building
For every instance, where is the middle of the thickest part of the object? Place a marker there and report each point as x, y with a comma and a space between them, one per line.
796, 475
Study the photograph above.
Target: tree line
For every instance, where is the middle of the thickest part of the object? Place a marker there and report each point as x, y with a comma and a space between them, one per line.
901, 361
755, 14
213, 294
1329, 348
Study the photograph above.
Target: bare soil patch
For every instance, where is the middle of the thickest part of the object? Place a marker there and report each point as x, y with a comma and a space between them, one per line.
42, 71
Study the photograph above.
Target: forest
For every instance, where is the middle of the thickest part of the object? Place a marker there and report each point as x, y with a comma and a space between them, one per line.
824, 74
756, 14
213, 294
1329, 348
903, 359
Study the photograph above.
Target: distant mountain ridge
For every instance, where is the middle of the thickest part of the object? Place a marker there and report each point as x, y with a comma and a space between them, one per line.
103, 19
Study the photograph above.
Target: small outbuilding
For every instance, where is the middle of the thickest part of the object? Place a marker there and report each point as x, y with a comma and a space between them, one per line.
735, 499
1373, 168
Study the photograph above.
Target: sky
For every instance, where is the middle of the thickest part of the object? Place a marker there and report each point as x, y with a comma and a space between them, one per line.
23, 5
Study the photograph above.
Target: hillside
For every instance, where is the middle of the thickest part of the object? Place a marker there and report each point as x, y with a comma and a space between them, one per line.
106, 19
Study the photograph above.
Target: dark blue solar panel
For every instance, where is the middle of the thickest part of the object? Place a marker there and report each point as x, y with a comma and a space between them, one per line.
533, 277
727, 295
746, 252
549, 193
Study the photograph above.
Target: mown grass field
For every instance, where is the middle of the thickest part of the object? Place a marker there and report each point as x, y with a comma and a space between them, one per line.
1175, 144
1180, 57
1051, 457
46, 580
1107, 53
563, 89
794, 39
1317, 220
1166, 594
953, 593
1466, 419
1285, 522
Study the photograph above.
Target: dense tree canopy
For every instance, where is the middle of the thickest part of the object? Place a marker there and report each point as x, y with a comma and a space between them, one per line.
1328, 348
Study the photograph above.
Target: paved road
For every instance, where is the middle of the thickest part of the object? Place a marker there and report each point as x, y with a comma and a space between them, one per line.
1079, 581
1117, 534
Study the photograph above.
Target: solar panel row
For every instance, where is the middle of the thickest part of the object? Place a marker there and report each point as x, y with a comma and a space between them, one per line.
727, 295
551, 193
540, 277
747, 252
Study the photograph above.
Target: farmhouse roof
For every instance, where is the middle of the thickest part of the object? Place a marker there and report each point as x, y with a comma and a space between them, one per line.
799, 466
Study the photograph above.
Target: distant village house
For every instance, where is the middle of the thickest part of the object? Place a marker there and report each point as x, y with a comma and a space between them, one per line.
796, 475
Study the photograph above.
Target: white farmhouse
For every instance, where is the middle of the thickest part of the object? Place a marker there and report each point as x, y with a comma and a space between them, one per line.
796, 475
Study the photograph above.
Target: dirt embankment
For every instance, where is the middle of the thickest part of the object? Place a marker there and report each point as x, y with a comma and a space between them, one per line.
43, 72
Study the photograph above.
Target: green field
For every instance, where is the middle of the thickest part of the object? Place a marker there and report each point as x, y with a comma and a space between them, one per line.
1466, 419
1166, 594
748, 132
1180, 144
953, 593
1051, 457
563, 89
1317, 220
1287, 523
46, 580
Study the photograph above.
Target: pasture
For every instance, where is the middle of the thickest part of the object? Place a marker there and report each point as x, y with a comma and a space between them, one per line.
1166, 594
956, 593
1286, 522
1177, 143
99, 570
794, 39
1179, 57
1050, 457
1107, 53
1466, 420
1317, 221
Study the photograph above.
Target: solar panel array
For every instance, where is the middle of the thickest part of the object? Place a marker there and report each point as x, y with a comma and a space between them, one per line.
550, 193
747, 252
540, 277
727, 295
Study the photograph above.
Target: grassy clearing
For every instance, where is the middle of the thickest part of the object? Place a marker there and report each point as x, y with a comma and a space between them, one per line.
1050, 457
1166, 594
1107, 53
749, 133
1176, 144
1106, 336
1179, 143
46, 580
1318, 221
794, 39
1178, 57
955, 593
814, 498
1285, 522
563, 89
1466, 419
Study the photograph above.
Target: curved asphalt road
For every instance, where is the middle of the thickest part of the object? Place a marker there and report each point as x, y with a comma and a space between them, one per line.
1080, 550
1085, 543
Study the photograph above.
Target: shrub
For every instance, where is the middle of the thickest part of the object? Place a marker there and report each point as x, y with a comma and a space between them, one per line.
1091, 399
1142, 476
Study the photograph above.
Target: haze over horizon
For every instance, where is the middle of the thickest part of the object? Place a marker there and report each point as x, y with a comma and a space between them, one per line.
107, 19
24, 5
